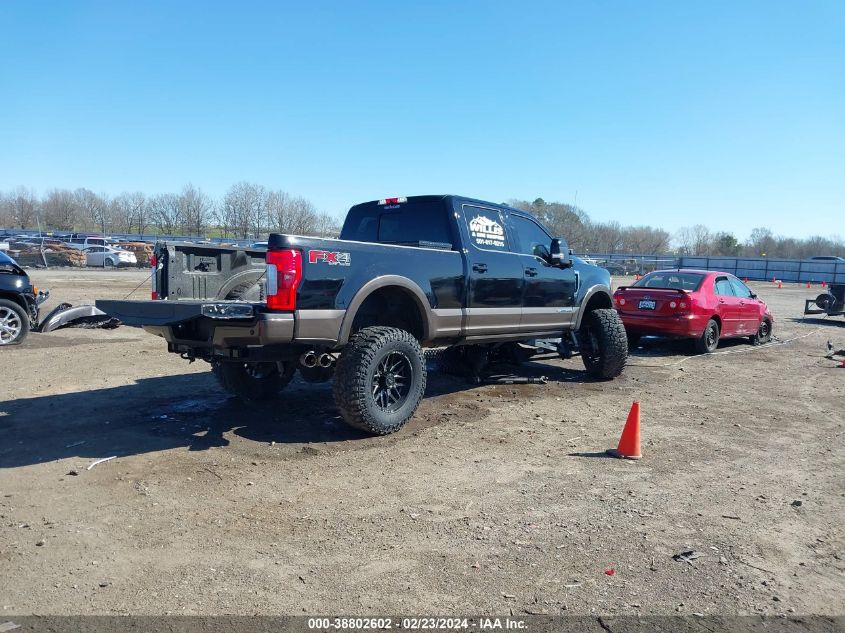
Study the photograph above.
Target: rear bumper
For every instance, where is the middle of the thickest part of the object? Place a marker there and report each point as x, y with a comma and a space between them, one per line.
188, 324
691, 326
266, 329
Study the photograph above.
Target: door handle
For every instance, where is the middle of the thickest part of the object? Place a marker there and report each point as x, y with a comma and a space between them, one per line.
721, 300
480, 268
742, 303
530, 272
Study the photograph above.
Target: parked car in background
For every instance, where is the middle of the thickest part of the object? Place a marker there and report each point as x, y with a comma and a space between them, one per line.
702, 305
107, 256
19, 301
83, 242
827, 258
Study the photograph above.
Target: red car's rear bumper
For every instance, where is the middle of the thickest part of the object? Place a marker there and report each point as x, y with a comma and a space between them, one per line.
691, 326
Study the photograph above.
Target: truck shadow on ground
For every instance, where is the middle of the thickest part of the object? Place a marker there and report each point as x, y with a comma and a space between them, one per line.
190, 411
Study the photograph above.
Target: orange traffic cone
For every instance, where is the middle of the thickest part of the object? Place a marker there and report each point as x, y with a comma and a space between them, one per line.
780, 285
808, 285
824, 284
629, 443
745, 280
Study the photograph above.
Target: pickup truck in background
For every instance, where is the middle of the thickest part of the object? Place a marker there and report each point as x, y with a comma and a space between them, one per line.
406, 273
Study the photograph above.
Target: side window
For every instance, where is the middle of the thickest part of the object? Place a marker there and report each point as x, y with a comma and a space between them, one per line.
723, 287
486, 228
533, 240
740, 289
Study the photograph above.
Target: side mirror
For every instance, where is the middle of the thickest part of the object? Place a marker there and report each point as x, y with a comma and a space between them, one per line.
559, 254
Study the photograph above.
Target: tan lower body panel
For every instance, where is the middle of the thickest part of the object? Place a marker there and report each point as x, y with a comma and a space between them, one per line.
318, 326
546, 318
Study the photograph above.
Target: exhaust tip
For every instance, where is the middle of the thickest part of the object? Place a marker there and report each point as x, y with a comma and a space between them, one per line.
309, 359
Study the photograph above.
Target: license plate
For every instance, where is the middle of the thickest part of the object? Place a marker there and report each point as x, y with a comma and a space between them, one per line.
647, 304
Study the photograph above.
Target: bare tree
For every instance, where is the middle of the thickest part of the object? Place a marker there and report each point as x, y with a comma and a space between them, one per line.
128, 211
92, 208
166, 213
278, 210
326, 225
762, 242
60, 210
303, 217
245, 204
196, 209
20, 208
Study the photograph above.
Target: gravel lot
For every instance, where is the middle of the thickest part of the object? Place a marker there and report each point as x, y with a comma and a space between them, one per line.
495, 499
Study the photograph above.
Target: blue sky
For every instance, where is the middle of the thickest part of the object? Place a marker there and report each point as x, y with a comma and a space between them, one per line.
667, 113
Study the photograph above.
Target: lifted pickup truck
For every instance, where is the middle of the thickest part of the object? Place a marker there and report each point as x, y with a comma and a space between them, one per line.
431, 271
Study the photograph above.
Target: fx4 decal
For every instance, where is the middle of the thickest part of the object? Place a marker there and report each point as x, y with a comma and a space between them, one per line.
332, 258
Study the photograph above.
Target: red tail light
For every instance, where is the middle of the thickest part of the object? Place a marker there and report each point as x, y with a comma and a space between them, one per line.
284, 271
154, 265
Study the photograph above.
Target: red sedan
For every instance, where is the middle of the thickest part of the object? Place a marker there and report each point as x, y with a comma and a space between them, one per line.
702, 305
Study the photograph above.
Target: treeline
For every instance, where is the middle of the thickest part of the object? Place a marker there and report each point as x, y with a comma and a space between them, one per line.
246, 210
586, 236
700, 240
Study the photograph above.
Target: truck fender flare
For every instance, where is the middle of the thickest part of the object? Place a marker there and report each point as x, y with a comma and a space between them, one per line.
378, 283
593, 291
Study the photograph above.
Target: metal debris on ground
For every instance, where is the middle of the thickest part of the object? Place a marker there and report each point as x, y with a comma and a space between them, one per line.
100, 461
85, 316
688, 556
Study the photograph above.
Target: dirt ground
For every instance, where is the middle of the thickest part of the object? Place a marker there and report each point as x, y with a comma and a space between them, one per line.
495, 499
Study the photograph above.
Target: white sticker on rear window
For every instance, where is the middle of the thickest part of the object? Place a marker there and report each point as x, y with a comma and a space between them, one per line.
487, 232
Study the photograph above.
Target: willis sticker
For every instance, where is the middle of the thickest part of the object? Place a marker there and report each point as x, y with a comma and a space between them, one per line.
487, 232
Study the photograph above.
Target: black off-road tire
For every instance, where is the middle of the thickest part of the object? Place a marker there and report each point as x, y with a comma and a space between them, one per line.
8, 307
709, 340
604, 343
764, 333
254, 381
356, 378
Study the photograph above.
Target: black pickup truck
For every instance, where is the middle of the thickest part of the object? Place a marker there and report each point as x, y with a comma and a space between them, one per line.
478, 277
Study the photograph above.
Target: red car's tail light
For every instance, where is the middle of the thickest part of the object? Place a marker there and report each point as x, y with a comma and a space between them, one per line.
284, 271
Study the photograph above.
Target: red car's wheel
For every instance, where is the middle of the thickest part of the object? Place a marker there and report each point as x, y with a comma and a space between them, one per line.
764, 333
709, 341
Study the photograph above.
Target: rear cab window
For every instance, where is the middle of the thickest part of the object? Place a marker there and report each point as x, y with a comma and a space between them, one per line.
422, 221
